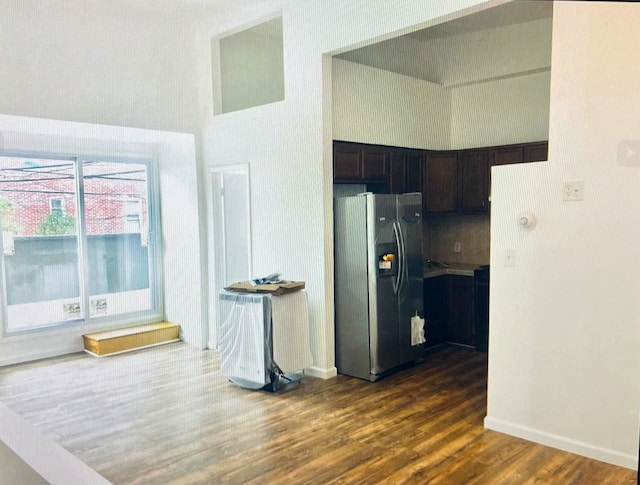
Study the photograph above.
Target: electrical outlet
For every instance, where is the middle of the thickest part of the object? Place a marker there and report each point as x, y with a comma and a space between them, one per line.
573, 190
457, 247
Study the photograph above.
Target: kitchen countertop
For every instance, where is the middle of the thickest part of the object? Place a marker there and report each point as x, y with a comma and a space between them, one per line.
441, 269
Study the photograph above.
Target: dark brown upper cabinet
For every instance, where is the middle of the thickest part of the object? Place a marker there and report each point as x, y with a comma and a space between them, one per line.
406, 171
508, 154
375, 162
474, 180
347, 161
536, 152
440, 182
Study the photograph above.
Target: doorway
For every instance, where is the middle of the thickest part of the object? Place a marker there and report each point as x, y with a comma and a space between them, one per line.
231, 235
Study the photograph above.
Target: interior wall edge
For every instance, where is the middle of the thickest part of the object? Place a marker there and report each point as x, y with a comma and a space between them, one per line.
321, 373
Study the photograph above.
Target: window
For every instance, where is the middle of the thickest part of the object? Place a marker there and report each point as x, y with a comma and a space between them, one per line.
56, 206
132, 216
73, 242
249, 67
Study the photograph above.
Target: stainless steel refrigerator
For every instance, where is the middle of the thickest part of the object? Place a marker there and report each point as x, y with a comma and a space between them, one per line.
378, 282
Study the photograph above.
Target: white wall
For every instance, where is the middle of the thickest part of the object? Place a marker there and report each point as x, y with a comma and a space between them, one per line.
375, 106
175, 159
493, 89
500, 112
14, 470
30, 457
492, 53
564, 337
97, 62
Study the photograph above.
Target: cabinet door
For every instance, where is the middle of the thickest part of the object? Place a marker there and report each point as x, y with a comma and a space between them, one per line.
347, 161
440, 182
406, 171
398, 172
435, 310
375, 163
413, 172
474, 183
508, 154
460, 310
536, 152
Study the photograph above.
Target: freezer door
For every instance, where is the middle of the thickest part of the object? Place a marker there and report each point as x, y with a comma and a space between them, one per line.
351, 287
410, 294
383, 238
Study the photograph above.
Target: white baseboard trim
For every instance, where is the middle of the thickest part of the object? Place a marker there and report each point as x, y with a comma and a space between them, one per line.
49, 459
562, 443
28, 357
321, 373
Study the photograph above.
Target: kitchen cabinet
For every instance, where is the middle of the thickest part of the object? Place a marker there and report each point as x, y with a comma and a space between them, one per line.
406, 171
435, 310
536, 152
375, 162
358, 162
347, 161
450, 181
481, 308
449, 309
474, 180
508, 154
460, 310
523, 152
440, 182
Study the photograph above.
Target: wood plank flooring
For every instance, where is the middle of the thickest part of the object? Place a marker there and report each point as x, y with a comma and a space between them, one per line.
167, 416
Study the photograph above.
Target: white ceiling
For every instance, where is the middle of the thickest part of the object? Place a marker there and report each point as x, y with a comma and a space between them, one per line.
416, 54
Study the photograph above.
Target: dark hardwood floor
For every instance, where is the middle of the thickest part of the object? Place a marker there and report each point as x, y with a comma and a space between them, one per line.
167, 416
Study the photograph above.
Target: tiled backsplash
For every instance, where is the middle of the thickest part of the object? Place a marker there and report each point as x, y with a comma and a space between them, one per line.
441, 232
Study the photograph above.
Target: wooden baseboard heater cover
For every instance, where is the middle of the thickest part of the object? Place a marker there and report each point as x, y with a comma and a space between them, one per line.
132, 338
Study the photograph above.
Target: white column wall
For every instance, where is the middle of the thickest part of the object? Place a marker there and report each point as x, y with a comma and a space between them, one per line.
564, 323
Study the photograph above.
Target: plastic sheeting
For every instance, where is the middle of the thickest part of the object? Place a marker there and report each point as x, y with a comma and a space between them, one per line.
244, 339
262, 336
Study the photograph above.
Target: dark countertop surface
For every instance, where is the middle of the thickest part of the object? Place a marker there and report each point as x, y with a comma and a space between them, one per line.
441, 268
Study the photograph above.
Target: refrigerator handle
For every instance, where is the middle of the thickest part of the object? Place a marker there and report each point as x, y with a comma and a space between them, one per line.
403, 256
396, 284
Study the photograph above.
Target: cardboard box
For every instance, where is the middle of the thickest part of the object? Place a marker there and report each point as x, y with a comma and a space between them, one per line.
273, 288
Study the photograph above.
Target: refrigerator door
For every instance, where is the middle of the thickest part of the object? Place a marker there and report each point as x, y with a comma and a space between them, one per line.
410, 294
383, 269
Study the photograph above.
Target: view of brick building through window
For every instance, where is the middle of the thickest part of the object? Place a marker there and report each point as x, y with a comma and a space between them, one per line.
115, 199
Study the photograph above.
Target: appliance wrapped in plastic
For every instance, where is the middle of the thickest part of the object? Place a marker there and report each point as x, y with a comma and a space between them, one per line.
253, 327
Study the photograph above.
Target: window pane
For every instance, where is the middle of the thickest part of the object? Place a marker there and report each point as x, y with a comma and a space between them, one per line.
40, 241
117, 219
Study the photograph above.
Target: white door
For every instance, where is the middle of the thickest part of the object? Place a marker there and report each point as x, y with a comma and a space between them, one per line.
230, 251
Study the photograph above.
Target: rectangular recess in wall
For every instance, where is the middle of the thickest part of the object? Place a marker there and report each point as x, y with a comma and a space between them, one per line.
248, 67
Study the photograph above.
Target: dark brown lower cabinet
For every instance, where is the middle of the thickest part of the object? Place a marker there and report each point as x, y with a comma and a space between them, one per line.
435, 310
460, 309
448, 310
